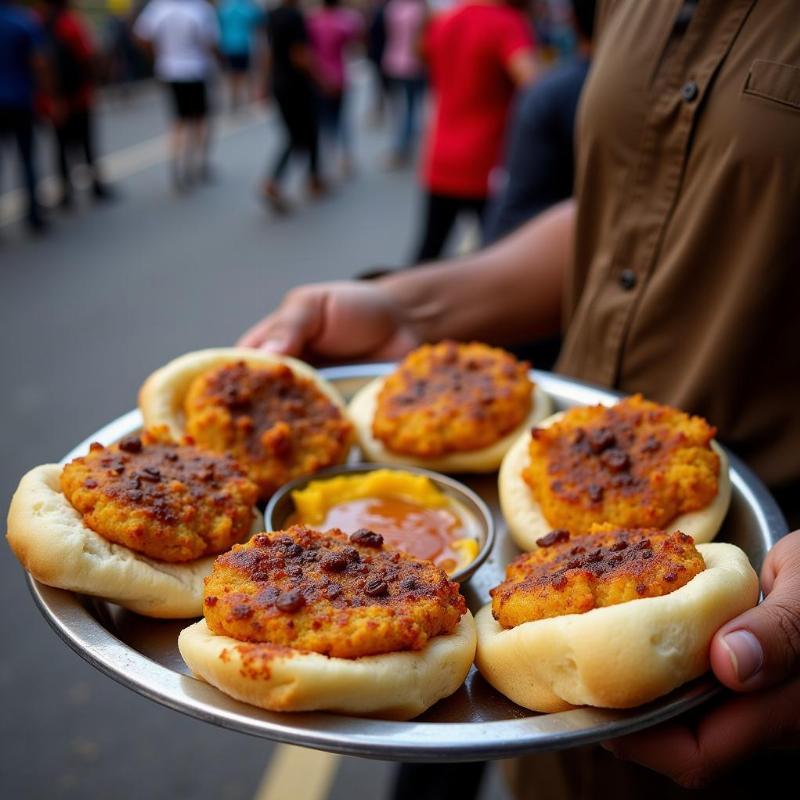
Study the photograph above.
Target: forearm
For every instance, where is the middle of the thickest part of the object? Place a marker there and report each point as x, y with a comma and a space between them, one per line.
510, 292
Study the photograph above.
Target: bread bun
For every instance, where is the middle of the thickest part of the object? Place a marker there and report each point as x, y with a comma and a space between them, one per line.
162, 395
486, 459
52, 542
526, 522
399, 685
622, 655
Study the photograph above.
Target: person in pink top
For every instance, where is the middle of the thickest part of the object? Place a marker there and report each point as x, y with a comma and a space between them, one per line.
404, 22
332, 29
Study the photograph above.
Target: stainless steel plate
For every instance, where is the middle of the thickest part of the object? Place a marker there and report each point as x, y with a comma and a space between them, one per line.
475, 723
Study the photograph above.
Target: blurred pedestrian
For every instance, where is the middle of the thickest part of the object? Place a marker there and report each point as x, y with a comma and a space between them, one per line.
183, 35
478, 54
120, 67
22, 64
539, 168
404, 21
68, 101
376, 44
333, 29
293, 76
238, 22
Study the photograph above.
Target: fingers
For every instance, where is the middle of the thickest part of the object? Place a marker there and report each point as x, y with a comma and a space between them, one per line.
761, 647
289, 328
693, 755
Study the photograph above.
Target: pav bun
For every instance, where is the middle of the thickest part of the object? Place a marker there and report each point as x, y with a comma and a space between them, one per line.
49, 537
527, 523
622, 655
486, 459
398, 686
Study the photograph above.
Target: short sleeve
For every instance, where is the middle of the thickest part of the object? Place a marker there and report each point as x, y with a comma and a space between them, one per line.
78, 37
145, 24
210, 25
515, 35
354, 23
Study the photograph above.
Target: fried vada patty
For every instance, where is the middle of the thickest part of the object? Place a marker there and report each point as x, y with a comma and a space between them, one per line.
451, 397
277, 425
609, 565
169, 501
332, 595
637, 464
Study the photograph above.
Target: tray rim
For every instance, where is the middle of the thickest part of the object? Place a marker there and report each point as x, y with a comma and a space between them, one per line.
69, 615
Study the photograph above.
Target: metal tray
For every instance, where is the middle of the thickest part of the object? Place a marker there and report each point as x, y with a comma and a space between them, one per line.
475, 723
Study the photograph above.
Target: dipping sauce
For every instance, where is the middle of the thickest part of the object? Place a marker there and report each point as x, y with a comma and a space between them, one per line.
406, 509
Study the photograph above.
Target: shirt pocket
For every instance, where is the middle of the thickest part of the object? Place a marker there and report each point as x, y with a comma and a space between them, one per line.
774, 82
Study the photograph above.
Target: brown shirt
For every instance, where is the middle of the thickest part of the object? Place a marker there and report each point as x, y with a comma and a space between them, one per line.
686, 284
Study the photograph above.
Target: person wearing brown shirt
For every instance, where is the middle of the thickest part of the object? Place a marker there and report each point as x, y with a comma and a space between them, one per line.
674, 272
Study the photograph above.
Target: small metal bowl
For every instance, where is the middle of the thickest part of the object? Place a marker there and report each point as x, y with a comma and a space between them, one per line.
474, 512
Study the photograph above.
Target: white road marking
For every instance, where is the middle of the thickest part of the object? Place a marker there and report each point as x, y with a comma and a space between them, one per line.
128, 161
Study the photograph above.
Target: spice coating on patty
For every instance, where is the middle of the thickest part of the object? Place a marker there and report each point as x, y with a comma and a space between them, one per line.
609, 565
330, 594
636, 464
278, 425
169, 501
452, 397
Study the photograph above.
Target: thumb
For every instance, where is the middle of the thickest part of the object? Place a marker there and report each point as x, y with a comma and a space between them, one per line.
291, 327
762, 646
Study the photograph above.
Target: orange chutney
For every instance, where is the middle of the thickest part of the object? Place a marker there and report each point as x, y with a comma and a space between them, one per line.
408, 511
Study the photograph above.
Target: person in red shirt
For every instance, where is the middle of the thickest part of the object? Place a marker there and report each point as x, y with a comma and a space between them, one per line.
478, 53
69, 101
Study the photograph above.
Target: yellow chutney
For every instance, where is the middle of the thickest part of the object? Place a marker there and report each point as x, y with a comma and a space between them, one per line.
406, 509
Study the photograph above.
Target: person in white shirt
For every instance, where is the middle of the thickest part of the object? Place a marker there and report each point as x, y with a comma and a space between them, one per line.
183, 36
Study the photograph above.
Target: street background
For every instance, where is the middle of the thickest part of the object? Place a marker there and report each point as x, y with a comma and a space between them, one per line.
87, 312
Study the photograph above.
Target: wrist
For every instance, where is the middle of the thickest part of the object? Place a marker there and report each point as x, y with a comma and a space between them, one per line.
419, 302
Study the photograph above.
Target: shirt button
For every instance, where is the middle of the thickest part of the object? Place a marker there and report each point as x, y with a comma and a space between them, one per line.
689, 91
627, 279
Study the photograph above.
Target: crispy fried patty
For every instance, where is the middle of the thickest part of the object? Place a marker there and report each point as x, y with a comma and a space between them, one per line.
452, 397
277, 425
329, 594
610, 565
169, 501
636, 464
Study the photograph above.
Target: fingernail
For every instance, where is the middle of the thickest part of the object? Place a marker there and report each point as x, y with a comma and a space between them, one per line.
745, 653
274, 345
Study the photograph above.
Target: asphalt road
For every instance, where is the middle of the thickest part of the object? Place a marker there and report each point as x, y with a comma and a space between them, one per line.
87, 313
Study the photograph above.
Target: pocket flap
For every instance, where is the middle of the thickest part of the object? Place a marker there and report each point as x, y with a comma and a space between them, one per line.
774, 81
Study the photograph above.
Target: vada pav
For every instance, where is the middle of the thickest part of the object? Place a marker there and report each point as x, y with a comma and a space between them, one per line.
614, 618
450, 407
137, 523
299, 620
635, 464
276, 415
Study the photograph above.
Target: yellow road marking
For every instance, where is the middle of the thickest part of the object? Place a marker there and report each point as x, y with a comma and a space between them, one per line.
296, 773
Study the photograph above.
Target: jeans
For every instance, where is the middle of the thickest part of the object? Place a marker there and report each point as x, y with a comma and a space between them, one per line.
411, 91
